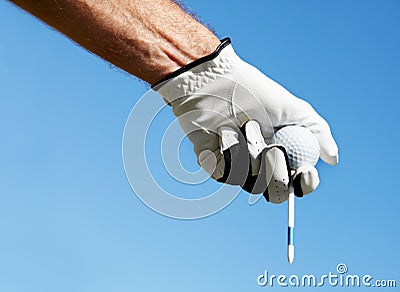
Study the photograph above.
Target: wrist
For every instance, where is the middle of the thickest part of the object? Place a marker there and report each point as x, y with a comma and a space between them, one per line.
182, 53
214, 53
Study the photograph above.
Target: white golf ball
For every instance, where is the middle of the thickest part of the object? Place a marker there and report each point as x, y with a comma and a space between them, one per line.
301, 145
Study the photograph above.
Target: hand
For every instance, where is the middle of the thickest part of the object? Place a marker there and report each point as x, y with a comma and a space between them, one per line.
216, 97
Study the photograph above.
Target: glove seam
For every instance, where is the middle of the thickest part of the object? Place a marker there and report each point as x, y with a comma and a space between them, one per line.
230, 97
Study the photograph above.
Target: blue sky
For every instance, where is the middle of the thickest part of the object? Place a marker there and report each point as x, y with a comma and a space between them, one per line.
69, 220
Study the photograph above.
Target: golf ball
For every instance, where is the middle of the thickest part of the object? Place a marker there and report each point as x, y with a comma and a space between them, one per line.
301, 145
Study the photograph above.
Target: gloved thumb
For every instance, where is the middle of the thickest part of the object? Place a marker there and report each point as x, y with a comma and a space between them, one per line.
329, 149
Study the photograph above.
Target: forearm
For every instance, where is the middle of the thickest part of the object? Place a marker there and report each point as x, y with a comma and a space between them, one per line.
147, 38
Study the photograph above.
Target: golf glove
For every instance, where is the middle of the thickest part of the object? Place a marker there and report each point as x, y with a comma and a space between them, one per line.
230, 111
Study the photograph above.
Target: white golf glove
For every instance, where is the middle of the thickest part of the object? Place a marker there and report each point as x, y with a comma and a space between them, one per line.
230, 111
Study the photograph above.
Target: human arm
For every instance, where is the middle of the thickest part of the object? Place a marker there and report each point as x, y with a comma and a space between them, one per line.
147, 38
214, 93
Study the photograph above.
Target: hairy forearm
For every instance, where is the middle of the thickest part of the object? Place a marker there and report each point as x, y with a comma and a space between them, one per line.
147, 38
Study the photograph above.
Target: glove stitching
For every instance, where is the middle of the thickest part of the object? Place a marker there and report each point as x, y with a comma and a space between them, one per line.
231, 93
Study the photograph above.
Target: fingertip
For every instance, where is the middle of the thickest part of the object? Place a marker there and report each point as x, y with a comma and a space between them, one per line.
331, 157
329, 151
307, 179
228, 137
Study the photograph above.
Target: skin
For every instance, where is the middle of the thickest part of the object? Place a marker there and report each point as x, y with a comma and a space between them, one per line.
147, 38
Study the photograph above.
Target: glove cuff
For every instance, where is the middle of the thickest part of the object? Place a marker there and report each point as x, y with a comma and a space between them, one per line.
196, 76
224, 42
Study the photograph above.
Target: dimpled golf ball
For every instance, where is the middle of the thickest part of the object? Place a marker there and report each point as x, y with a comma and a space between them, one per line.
301, 145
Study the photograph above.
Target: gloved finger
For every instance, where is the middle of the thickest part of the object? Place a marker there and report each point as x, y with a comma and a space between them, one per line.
206, 148
235, 155
242, 154
256, 179
305, 180
255, 144
277, 174
212, 162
